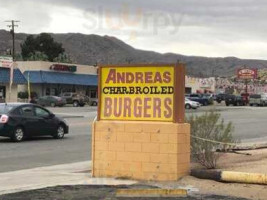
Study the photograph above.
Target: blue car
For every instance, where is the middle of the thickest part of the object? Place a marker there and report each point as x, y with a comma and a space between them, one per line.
200, 98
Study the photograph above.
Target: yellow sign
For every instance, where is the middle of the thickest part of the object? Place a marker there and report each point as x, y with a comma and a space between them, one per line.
137, 93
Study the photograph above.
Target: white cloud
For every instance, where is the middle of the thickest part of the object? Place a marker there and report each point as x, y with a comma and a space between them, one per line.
34, 16
191, 27
66, 20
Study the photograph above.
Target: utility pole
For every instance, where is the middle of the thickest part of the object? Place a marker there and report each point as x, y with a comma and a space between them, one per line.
12, 31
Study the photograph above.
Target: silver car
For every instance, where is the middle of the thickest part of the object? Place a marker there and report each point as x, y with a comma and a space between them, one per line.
191, 104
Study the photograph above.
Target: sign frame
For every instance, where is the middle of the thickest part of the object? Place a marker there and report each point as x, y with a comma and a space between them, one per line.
6, 61
252, 76
178, 96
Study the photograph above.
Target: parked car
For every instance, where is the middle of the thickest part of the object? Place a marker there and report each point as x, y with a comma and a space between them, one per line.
52, 101
258, 99
199, 98
220, 97
210, 97
21, 120
191, 104
74, 99
234, 100
93, 101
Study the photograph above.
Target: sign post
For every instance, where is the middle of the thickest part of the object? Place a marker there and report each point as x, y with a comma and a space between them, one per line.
247, 74
140, 131
142, 93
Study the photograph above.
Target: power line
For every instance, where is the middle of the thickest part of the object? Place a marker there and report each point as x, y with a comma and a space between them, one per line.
12, 31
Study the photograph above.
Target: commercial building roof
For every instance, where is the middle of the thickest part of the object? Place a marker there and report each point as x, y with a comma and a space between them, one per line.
18, 77
61, 78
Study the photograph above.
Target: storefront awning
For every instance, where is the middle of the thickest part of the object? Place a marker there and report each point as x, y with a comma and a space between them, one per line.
18, 77
61, 78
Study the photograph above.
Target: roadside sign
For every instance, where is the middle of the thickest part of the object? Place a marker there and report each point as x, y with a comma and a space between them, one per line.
142, 93
247, 73
6, 61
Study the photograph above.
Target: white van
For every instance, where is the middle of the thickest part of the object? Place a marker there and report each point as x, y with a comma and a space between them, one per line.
258, 99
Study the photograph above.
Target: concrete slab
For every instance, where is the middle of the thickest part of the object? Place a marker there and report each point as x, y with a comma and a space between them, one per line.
41, 177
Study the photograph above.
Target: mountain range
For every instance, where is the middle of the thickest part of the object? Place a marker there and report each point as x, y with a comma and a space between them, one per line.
92, 49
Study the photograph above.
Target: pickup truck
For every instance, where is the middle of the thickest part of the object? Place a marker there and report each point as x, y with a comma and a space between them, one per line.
234, 100
258, 100
74, 99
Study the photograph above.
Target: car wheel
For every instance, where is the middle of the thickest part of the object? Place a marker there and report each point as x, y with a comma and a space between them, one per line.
187, 106
60, 132
94, 104
82, 105
206, 103
18, 134
53, 104
75, 103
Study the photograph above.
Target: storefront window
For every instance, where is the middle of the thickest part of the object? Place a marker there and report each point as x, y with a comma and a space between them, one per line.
47, 91
54, 92
93, 94
188, 90
2, 92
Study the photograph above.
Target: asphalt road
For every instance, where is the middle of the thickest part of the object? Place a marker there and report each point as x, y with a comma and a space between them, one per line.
250, 123
45, 151
250, 126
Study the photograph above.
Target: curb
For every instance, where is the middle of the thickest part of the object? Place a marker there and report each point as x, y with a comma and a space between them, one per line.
232, 177
151, 193
68, 117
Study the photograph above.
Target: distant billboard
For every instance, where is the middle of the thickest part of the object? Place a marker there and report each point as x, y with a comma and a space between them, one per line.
247, 73
65, 68
6, 61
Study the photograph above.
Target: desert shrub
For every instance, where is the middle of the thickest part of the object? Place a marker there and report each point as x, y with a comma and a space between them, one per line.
209, 126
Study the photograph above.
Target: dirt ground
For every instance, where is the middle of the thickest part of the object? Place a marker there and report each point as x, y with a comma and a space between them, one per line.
254, 163
198, 188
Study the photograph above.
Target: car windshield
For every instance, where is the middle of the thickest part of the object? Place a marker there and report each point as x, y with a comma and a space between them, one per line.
4, 109
255, 96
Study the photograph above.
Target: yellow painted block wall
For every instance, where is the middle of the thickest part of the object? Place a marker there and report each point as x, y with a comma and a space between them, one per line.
141, 150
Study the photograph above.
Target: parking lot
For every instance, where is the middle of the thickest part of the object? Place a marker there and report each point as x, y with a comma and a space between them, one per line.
250, 126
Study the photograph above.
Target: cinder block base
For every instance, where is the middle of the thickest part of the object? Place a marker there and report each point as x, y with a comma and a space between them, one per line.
141, 150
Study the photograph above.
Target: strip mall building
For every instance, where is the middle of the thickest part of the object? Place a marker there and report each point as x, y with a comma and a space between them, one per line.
199, 85
47, 78
7, 93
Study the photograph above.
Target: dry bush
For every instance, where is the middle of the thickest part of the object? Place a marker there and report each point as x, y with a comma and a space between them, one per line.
209, 126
